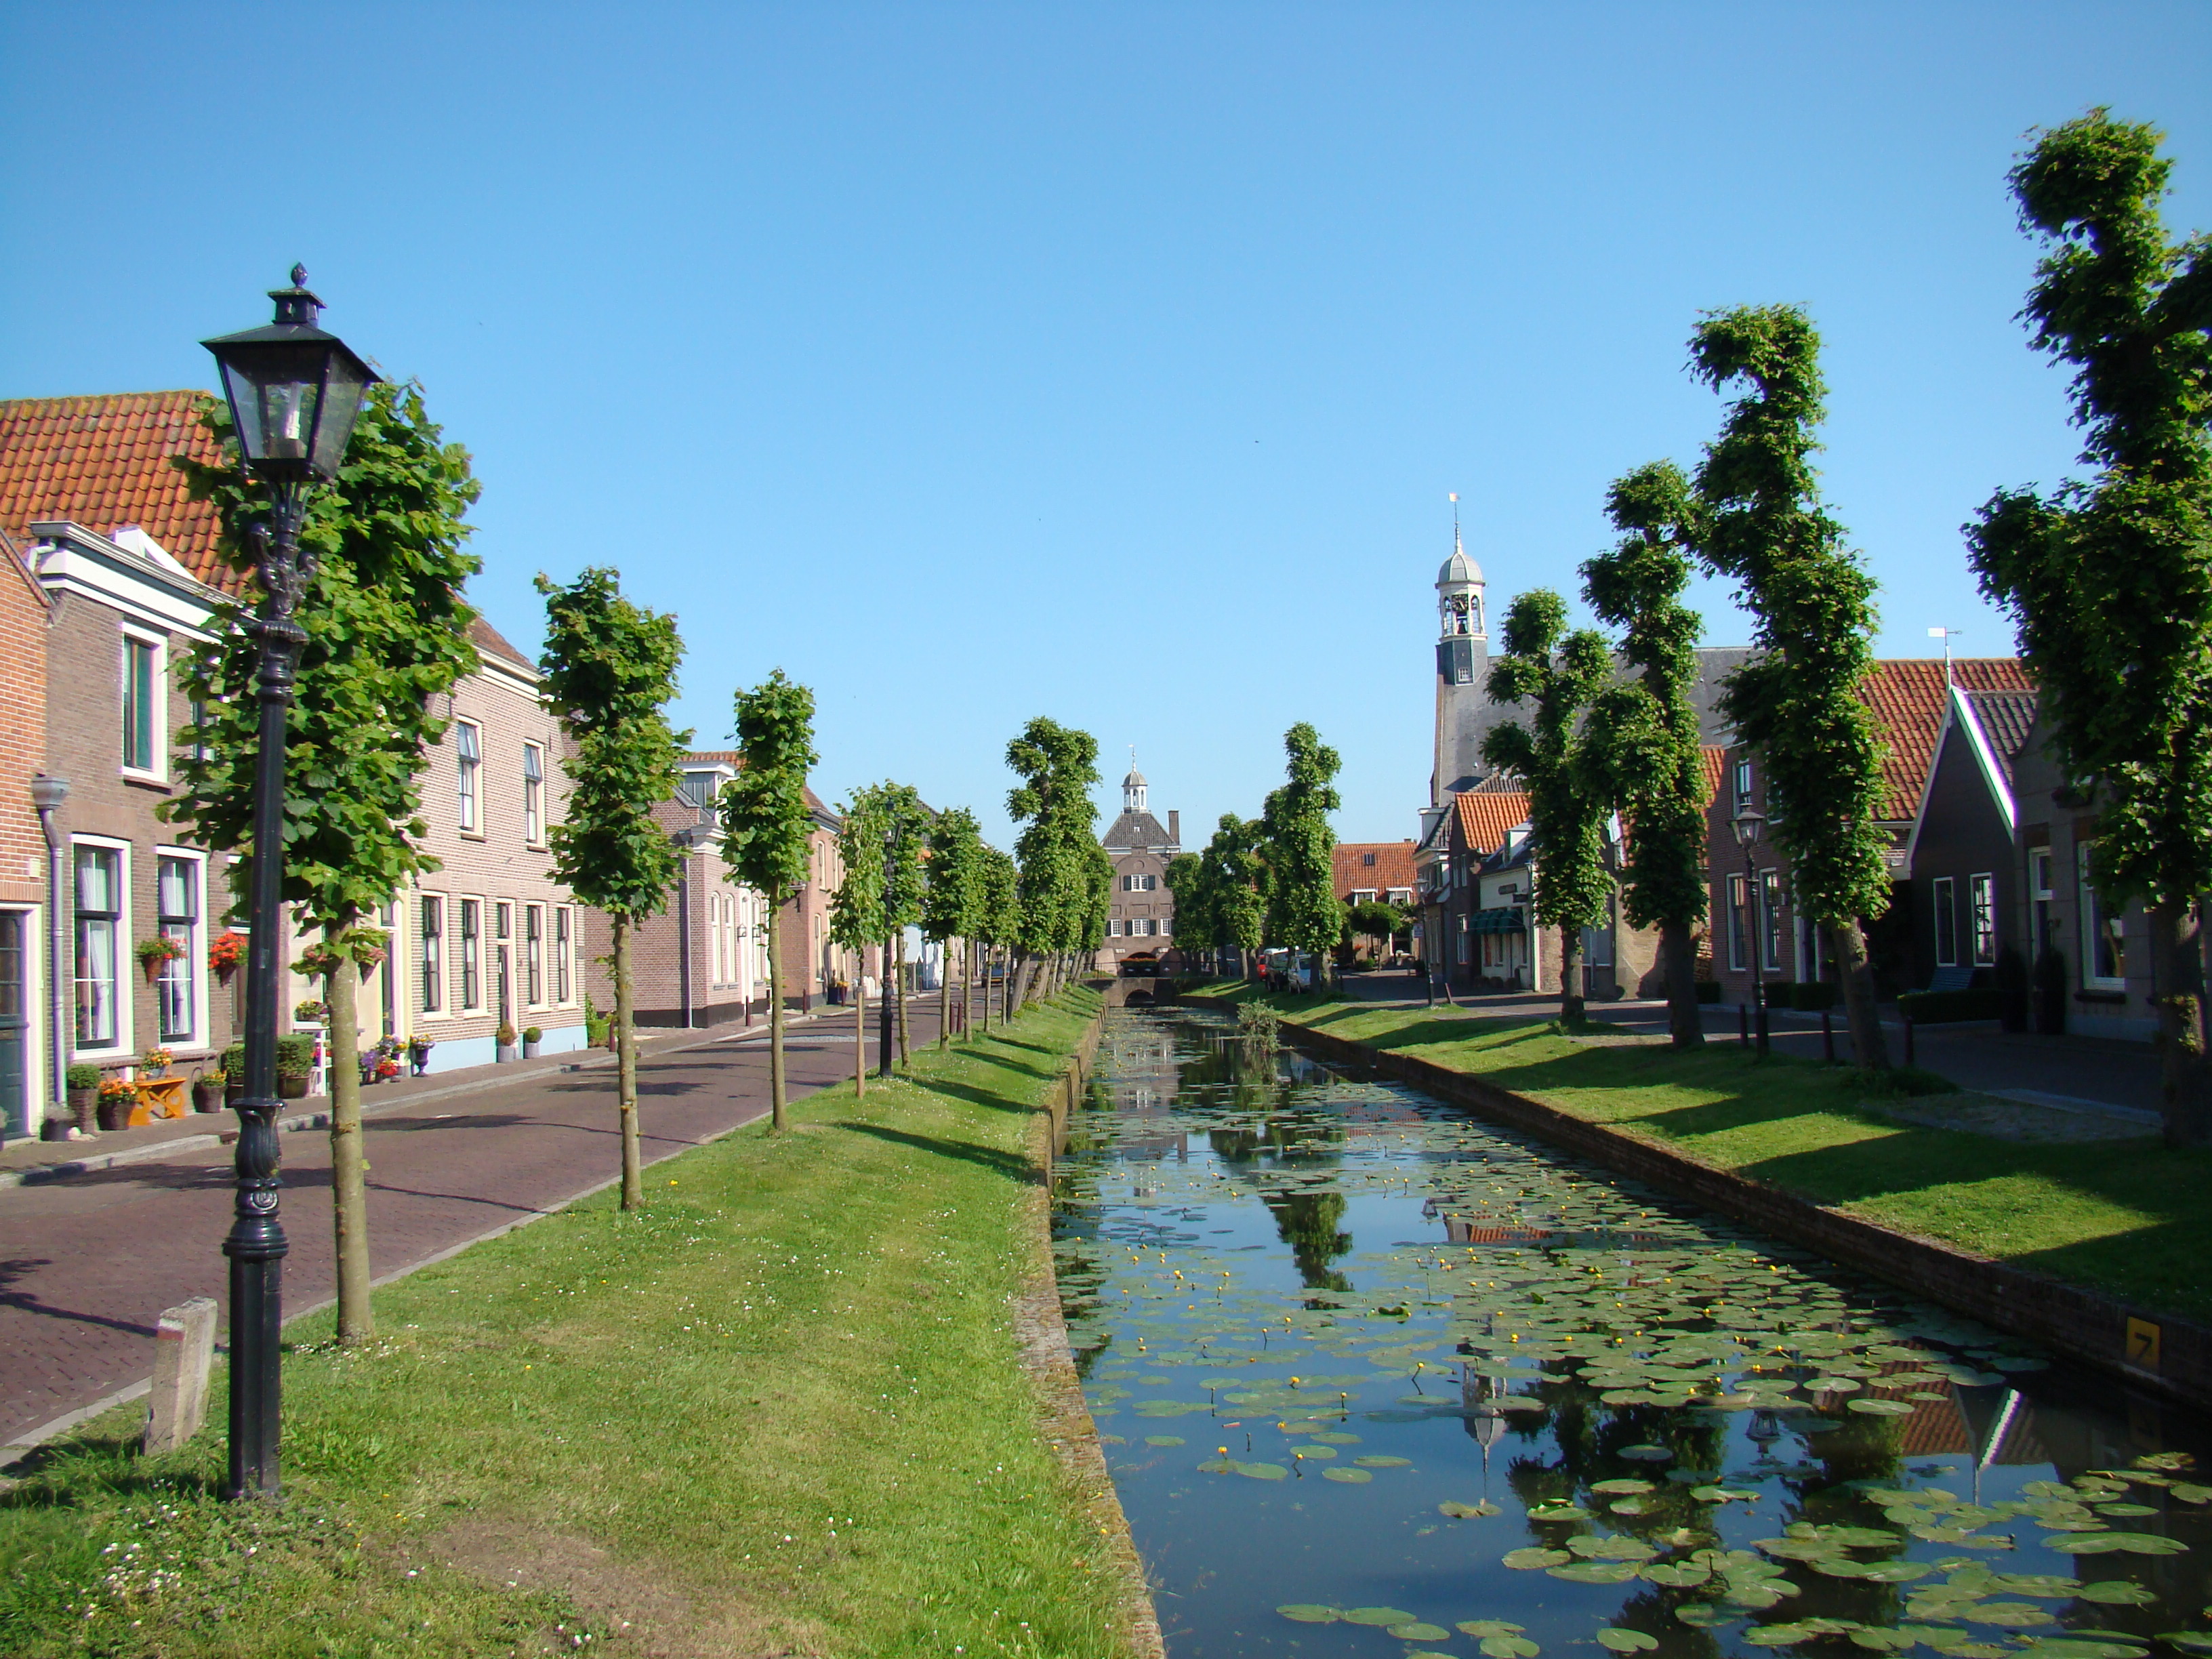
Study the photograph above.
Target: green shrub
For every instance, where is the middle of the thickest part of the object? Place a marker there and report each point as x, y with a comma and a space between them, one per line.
234, 1060
532, 1034
1947, 1008
82, 1076
295, 1053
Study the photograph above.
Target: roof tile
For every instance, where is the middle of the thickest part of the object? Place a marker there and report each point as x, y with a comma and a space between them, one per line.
1393, 867
1907, 695
1485, 816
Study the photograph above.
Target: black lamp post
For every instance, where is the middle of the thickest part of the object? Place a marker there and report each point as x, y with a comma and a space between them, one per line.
885, 1018
294, 394
47, 796
1748, 823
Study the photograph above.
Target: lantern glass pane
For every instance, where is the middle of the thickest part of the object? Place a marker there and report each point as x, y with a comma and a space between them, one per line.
341, 406
274, 389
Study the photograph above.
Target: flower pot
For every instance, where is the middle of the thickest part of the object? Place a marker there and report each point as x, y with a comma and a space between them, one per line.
291, 1086
207, 1096
530, 1049
114, 1114
502, 1052
84, 1104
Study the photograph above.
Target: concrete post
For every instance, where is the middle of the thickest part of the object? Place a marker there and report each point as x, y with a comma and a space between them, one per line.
183, 1351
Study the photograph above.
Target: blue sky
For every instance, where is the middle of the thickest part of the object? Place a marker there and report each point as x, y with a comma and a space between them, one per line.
1112, 362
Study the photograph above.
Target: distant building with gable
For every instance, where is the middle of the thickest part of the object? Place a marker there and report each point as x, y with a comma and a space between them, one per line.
1141, 917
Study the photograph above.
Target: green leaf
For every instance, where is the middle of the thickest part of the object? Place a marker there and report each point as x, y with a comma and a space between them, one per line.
1308, 1612
1375, 1616
1627, 1641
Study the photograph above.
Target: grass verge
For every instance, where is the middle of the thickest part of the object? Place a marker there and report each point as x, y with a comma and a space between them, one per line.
2125, 1217
780, 1411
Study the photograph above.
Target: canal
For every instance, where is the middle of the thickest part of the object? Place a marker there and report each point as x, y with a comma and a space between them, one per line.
1377, 1379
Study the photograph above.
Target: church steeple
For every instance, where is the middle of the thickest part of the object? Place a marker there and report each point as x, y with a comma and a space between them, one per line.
1132, 787
1464, 711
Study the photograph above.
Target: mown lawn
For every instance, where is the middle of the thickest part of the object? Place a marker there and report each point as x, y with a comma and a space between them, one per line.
780, 1411
2127, 1217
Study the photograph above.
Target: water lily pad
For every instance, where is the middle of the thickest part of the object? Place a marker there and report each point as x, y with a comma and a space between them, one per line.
2009, 1615
1594, 1572
1627, 1641
1705, 1615
1624, 1487
2188, 1492
1528, 1561
1308, 1612
1380, 1463
1415, 1631
1336, 1437
1375, 1616
1349, 1477
2117, 1593
1261, 1471
2110, 1543
1647, 1453
1882, 1408
1508, 1647
1880, 1639
1627, 1506
1555, 1511
2189, 1641
1163, 1440
1678, 1575
2129, 1510
1490, 1627
1317, 1454
1469, 1511
1775, 1636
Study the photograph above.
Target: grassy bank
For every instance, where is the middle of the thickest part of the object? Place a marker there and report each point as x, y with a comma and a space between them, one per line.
2127, 1217
780, 1411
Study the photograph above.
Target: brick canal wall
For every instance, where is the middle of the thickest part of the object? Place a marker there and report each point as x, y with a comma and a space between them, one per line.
2151, 1350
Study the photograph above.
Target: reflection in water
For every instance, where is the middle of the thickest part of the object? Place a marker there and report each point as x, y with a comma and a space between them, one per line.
1311, 1311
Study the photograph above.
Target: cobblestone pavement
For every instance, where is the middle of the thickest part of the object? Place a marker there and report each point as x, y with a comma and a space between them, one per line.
88, 1263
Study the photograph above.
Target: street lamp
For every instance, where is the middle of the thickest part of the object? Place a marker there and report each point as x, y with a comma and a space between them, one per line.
47, 796
1749, 821
294, 394
883, 1017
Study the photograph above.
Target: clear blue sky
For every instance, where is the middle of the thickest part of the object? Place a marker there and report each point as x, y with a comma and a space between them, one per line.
1107, 361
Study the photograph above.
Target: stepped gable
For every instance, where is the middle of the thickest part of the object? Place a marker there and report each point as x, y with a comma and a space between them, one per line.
103, 462
1485, 816
1908, 695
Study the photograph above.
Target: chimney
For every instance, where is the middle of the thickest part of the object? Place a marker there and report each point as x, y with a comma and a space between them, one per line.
1175, 828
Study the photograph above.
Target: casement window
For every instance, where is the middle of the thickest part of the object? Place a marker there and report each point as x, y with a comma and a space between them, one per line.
1981, 917
1742, 783
1738, 918
1945, 905
434, 953
533, 793
560, 914
1770, 916
1462, 952
144, 693
2104, 942
472, 953
102, 878
2039, 896
533, 954
177, 914
468, 740
1113, 927
1164, 925
1362, 895
1139, 883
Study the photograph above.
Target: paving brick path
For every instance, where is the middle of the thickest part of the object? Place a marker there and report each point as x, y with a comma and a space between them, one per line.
88, 1263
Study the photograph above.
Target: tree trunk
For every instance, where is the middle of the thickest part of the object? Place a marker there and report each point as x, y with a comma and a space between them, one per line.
944, 995
2176, 968
905, 1048
1870, 1048
886, 991
1686, 1025
775, 1080
349, 1158
1571, 977
861, 1029
633, 1168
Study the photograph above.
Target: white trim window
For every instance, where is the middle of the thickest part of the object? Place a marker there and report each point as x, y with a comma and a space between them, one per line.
433, 959
102, 886
2039, 897
1770, 931
178, 882
1113, 927
562, 932
533, 954
1943, 903
145, 705
1981, 917
1739, 917
533, 793
2104, 937
471, 955
468, 744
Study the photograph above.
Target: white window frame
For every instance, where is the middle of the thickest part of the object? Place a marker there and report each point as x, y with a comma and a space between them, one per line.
533, 794
462, 911
2094, 917
158, 722
1981, 917
194, 961
126, 957
2039, 897
1770, 922
468, 777
1740, 923
1362, 895
564, 945
442, 970
1943, 914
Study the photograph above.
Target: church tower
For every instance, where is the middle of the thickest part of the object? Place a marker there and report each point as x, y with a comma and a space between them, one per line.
1464, 711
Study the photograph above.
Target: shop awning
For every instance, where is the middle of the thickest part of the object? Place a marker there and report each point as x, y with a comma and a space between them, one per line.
1507, 918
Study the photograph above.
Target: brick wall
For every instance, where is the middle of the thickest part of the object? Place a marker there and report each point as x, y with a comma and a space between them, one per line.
22, 723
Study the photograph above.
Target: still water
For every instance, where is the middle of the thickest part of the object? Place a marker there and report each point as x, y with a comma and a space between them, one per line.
1378, 1380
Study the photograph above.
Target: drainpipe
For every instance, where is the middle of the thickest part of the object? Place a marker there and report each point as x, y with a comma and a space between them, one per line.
47, 795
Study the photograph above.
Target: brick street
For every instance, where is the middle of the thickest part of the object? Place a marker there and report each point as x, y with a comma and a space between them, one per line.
88, 1263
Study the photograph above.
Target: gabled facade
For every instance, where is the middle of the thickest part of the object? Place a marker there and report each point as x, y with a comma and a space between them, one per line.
1140, 910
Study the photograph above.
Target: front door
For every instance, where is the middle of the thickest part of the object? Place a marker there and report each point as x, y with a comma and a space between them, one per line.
15, 1021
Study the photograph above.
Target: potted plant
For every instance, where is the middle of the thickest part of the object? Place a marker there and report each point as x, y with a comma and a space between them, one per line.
233, 1073
117, 1097
311, 1012
83, 1083
208, 1090
295, 1060
531, 1037
418, 1053
225, 952
503, 1043
387, 1069
155, 1062
154, 953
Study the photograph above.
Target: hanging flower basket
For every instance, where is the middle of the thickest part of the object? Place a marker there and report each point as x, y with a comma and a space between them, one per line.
154, 953
308, 1012
225, 951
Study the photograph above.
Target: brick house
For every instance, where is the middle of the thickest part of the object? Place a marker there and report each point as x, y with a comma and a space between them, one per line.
27, 947
1755, 926
1370, 870
1140, 913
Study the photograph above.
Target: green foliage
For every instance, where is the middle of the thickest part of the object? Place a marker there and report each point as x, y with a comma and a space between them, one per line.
856, 908
1374, 919
610, 668
894, 815
2111, 580
1559, 673
1759, 521
387, 633
82, 1076
1299, 848
957, 902
1641, 739
999, 918
1065, 879
765, 825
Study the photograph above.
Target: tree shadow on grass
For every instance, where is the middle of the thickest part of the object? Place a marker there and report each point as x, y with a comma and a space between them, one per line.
1006, 1164
64, 1472
969, 1092
1007, 1062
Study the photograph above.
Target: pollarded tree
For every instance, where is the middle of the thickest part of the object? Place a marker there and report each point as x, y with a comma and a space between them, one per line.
906, 821
1374, 919
1000, 926
610, 668
387, 634
1303, 912
2110, 579
1233, 874
1561, 674
1642, 736
856, 910
1056, 852
952, 907
1761, 523
1194, 917
767, 829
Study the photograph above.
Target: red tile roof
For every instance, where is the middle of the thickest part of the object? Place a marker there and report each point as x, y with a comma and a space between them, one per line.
1715, 758
489, 641
1907, 695
103, 462
1485, 816
1393, 867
